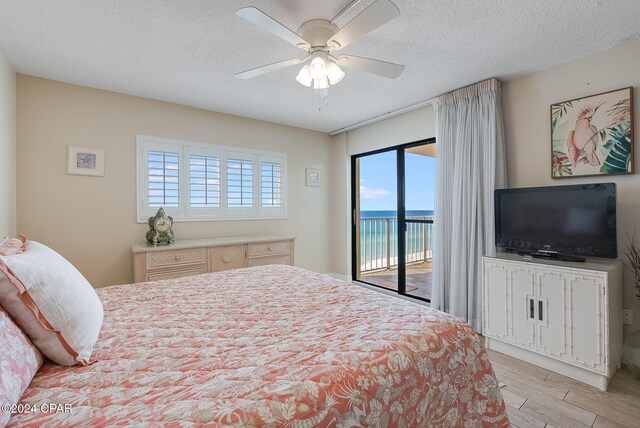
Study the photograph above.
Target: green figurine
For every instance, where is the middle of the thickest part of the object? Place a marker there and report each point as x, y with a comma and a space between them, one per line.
160, 229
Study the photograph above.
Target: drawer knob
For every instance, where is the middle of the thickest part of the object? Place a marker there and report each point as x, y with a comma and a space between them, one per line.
269, 248
227, 258
177, 258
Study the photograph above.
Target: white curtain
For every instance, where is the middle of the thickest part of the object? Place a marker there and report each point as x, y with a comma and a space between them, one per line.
471, 164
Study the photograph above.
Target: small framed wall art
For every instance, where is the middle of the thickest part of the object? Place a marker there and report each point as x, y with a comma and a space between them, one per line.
593, 135
313, 177
85, 161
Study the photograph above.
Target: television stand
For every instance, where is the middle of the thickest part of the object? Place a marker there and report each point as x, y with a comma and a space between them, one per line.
561, 316
551, 255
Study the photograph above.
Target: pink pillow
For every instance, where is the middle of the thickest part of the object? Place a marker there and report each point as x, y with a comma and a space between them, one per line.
13, 245
52, 302
19, 362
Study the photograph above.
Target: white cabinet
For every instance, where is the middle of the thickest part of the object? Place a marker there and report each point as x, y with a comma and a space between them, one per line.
566, 317
549, 312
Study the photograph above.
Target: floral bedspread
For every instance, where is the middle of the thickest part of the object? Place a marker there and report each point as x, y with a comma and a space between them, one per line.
270, 346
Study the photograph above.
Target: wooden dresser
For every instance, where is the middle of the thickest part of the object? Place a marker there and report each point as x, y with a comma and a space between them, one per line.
196, 256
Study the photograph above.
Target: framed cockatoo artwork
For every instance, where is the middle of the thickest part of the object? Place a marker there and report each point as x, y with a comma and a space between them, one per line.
593, 135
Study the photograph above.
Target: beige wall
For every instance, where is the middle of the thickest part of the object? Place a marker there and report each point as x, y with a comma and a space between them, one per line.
526, 104
92, 220
341, 205
7, 148
413, 126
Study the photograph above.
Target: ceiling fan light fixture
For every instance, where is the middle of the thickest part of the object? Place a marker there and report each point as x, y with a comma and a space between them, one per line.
321, 83
334, 73
319, 38
318, 68
304, 77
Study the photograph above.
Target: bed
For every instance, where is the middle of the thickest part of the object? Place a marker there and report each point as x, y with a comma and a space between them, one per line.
270, 346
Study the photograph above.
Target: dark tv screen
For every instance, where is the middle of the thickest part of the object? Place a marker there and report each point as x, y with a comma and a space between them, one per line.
574, 220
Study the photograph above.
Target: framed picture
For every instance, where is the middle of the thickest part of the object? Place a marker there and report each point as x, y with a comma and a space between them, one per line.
85, 161
313, 177
593, 135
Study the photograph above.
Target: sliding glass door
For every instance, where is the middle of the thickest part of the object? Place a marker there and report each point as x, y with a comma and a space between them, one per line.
419, 197
392, 199
376, 219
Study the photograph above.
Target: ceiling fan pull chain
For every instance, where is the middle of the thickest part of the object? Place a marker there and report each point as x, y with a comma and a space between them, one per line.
322, 97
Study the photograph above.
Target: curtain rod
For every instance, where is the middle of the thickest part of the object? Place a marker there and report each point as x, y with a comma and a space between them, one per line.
383, 116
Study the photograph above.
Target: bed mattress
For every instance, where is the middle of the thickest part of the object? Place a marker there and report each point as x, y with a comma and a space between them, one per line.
270, 346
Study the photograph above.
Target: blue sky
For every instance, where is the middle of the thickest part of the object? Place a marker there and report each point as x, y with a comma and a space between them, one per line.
378, 183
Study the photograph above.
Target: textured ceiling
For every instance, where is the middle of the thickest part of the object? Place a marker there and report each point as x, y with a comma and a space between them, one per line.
187, 51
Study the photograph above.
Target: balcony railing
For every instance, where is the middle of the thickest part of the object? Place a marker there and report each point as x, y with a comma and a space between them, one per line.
379, 242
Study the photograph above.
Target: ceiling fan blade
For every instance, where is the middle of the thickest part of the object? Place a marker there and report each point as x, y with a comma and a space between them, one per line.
376, 15
264, 21
382, 68
248, 74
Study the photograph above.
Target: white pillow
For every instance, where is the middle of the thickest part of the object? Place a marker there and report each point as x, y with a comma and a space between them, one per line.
52, 302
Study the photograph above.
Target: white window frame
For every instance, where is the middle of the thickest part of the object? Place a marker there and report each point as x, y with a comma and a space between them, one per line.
184, 212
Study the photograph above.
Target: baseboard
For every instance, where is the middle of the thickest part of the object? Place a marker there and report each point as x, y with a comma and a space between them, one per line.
585, 376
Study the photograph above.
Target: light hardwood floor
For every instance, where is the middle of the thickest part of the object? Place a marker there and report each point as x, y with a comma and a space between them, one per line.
536, 397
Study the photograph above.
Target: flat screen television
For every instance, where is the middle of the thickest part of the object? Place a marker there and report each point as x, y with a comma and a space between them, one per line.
558, 221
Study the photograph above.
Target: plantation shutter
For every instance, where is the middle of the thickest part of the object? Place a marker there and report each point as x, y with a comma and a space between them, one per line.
204, 181
198, 181
163, 186
239, 183
271, 185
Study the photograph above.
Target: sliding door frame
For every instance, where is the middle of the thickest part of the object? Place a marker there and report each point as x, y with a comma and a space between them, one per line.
401, 210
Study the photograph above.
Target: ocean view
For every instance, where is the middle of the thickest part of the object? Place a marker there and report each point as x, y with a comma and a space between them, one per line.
379, 240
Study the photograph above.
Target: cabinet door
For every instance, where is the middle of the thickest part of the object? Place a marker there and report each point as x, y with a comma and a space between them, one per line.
495, 300
586, 315
521, 290
551, 289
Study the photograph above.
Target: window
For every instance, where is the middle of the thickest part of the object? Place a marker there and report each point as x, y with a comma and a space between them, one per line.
204, 181
163, 179
239, 183
196, 181
271, 177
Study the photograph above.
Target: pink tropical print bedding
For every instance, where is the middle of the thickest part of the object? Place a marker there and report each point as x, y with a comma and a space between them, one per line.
19, 362
273, 346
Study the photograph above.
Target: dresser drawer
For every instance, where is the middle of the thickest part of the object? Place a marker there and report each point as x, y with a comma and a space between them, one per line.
198, 256
225, 258
263, 261
268, 249
162, 259
156, 276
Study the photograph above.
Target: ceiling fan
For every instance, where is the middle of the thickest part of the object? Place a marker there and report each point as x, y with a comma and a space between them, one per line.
320, 39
